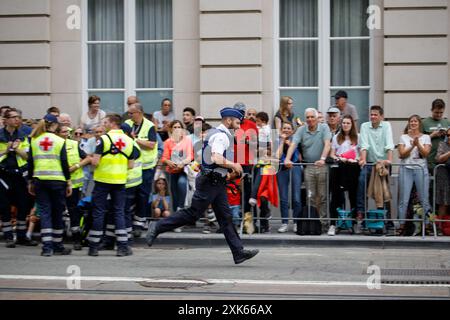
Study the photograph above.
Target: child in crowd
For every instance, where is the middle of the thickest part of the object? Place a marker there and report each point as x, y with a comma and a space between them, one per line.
264, 131
33, 220
265, 183
161, 199
234, 199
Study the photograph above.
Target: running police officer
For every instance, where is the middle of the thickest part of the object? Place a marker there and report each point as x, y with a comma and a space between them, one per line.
113, 157
77, 159
13, 185
48, 172
144, 133
211, 187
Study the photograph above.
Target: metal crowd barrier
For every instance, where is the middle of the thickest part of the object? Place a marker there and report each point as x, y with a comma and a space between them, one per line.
423, 220
258, 218
434, 197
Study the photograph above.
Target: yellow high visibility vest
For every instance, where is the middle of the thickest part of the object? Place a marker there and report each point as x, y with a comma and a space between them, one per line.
46, 150
73, 157
149, 157
113, 168
134, 177
23, 145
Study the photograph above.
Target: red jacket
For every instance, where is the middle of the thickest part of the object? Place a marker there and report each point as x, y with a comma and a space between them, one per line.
247, 133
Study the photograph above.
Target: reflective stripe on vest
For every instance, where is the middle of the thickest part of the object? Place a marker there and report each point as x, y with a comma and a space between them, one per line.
134, 176
149, 157
73, 157
46, 150
113, 168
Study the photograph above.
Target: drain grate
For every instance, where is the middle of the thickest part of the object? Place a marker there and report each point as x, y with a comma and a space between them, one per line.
416, 272
173, 284
416, 276
412, 281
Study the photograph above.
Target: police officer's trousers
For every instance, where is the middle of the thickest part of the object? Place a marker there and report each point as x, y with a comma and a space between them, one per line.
130, 209
51, 200
16, 194
100, 209
143, 196
206, 193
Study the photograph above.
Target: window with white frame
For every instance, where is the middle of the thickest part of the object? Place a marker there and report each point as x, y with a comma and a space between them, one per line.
324, 46
129, 52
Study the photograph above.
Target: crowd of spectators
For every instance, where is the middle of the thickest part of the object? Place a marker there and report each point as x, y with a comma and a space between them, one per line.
333, 154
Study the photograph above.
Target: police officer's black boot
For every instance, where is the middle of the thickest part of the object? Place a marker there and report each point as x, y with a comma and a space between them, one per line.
151, 233
244, 255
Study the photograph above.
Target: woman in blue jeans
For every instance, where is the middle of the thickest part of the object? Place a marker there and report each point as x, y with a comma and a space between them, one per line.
178, 152
286, 177
413, 149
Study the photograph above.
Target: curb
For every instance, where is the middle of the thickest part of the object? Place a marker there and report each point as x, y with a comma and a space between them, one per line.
202, 240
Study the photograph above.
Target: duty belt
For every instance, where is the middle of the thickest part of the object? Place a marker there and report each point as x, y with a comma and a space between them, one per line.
214, 177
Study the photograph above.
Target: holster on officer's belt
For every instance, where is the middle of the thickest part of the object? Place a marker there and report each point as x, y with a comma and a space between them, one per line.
215, 178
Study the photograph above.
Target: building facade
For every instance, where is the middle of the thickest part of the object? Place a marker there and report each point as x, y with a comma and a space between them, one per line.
209, 53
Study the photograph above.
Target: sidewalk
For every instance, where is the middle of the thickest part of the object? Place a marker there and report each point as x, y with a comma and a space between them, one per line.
195, 237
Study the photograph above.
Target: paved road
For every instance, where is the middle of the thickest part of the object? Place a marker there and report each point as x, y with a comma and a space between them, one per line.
188, 272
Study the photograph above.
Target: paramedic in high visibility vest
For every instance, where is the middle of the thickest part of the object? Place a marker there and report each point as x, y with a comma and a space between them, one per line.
77, 159
144, 133
114, 155
49, 176
134, 180
13, 185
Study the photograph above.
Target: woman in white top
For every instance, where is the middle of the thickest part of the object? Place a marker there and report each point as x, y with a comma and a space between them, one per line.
344, 150
94, 116
413, 148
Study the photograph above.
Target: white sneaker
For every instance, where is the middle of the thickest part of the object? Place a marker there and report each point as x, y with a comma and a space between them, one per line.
252, 202
206, 230
332, 231
283, 228
177, 230
211, 216
294, 229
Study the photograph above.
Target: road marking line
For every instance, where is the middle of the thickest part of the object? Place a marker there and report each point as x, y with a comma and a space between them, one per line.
213, 281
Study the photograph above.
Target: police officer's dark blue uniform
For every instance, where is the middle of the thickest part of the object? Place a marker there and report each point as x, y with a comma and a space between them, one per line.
211, 189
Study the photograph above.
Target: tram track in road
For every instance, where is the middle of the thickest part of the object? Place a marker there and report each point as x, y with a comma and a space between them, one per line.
213, 295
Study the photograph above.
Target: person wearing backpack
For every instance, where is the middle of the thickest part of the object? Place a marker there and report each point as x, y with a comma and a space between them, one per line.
114, 155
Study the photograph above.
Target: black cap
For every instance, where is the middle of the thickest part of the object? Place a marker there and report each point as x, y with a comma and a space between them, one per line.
340, 94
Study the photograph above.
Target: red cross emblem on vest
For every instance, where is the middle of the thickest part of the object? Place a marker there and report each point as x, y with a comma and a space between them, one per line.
120, 144
46, 144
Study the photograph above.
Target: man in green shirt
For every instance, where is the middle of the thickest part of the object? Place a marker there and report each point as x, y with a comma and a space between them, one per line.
436, 126
377, 145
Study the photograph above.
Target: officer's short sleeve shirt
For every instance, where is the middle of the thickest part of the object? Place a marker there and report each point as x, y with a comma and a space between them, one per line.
219, 142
